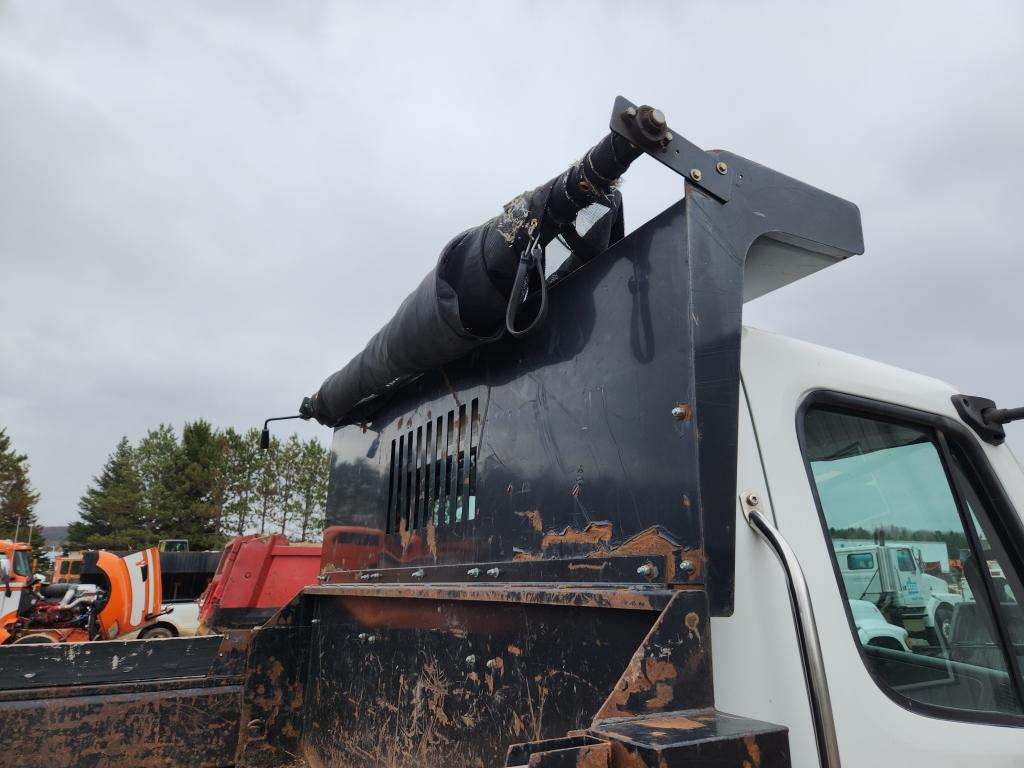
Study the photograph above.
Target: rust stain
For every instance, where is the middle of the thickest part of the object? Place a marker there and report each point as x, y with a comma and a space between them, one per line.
684, 411
622, 757
676, 722
644, 675
692, 621
431, 539
404, 534
515, 650
594, 756
753, 749
587, 566
686, 501
534, 518
594, 533
652, 542
662, 696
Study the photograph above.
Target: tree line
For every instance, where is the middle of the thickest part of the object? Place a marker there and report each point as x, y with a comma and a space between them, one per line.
955, 540
205, 485
17, 496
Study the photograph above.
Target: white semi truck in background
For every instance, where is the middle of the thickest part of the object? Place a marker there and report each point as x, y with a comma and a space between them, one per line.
892, 576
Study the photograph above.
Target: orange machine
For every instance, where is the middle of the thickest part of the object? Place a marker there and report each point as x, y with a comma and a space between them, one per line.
68, 613
67, 568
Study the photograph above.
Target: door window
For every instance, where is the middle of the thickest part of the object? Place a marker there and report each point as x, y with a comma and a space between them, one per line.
898, 490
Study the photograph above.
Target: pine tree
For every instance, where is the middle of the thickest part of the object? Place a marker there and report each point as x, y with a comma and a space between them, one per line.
112, 509
17, 497
200, 477
311, 488
159, 460
241, 476
286, 511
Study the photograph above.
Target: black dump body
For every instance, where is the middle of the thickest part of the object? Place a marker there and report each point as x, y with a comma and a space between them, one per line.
533, 535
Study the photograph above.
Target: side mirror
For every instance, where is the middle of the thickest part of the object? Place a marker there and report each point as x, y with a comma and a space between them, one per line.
264, 439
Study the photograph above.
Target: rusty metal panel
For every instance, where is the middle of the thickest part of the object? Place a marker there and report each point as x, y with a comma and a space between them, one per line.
274, 694
671, 669
704, 737
182, 726
113, 661
420, 680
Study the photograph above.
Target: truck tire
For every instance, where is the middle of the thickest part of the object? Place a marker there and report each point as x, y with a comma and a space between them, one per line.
886, 642
158, 632
34, 639
944, 621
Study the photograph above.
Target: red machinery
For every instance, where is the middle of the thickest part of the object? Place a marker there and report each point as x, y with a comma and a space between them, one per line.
256, 576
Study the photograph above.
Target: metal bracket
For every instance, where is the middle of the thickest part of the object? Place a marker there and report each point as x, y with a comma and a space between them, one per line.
646, 128
973, 411
750, 501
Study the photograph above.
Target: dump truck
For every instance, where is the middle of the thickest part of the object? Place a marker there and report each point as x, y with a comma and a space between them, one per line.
603, 513
256, 575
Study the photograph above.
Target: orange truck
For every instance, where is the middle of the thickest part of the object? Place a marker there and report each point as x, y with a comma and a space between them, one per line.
30, 612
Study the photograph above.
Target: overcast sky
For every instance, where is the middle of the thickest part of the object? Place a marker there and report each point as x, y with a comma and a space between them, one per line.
205, 208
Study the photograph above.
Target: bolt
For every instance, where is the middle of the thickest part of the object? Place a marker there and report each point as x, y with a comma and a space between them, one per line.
682, 411
722, 168
362, 635
753, 499
669, 136
471, 660
695, 174
631, 112
657, 118
687, 567
257, 729
474, 572
494, 572
315, 621
418, 573
647, 570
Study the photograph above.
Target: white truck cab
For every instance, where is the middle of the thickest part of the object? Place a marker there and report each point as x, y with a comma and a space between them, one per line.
829, 442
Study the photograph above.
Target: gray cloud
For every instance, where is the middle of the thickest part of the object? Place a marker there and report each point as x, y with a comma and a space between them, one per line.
207, 208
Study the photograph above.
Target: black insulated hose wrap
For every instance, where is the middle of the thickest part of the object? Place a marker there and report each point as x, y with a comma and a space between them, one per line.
475, 291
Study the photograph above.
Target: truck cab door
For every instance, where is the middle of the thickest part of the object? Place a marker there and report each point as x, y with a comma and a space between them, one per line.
849, 446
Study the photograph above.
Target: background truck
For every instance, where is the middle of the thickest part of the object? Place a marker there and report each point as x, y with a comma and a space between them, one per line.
128, 599
607, 542
891, 577
256, 575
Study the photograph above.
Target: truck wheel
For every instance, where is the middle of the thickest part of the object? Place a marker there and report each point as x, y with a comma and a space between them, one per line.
159, 632
35, 639
886, 642
944, 621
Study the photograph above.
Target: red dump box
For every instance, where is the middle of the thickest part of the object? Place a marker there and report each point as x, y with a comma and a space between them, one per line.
256, 576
